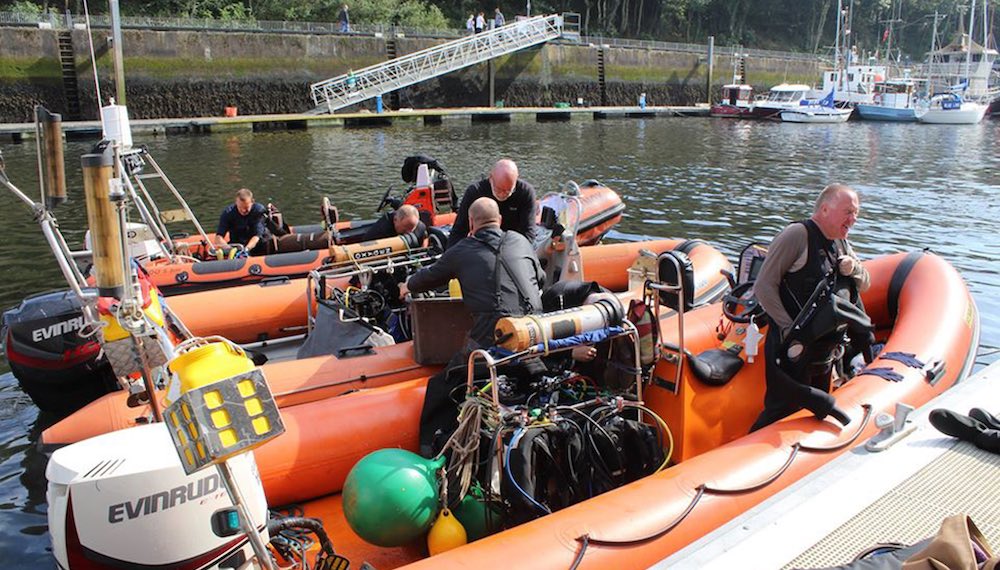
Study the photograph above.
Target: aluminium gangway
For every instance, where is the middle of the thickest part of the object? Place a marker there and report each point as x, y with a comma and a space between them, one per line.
357, 86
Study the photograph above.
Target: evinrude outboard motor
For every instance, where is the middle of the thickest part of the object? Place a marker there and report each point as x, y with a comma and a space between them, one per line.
60, 370
122, 500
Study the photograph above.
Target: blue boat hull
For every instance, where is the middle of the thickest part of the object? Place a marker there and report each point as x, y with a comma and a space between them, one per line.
879, 113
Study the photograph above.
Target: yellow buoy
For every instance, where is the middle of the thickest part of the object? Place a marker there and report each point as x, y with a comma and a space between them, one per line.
447, 533
209, 363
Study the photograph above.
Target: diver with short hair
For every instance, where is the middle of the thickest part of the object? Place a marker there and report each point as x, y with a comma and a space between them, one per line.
404, 220
243, 223
799, 258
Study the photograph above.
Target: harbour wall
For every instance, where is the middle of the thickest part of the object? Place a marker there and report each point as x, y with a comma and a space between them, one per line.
183, 73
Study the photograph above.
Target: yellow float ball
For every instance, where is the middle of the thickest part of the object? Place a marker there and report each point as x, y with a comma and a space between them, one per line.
447, 533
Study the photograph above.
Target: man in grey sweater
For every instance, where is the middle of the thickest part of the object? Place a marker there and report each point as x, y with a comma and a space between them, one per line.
798, 259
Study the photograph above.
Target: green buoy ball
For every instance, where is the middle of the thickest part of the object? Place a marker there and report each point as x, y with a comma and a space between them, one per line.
391, 496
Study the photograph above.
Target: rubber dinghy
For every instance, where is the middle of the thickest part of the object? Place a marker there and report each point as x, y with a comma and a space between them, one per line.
307, 380
923, 312
309, 247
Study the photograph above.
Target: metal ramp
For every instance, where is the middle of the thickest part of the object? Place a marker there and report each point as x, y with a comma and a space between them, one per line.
350, 88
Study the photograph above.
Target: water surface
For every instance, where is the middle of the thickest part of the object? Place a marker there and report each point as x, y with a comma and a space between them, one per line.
725, 181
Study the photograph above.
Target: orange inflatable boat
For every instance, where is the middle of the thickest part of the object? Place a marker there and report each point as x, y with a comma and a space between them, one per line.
918, 302
233, 313
309, 247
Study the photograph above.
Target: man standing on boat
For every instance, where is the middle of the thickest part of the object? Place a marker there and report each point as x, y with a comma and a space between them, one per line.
403, 221
516, 199
801, 257
243, 223
500, 276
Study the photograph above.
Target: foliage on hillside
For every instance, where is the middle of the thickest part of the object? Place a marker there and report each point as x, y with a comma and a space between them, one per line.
798, 25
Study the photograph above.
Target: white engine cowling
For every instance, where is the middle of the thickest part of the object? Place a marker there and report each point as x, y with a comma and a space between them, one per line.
123, 499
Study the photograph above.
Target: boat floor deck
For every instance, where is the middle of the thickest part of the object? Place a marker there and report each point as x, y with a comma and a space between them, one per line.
861, 499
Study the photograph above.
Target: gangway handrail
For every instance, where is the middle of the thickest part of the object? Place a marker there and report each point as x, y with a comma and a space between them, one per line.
356, 86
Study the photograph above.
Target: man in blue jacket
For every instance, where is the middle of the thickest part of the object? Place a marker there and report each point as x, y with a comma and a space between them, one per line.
243, 223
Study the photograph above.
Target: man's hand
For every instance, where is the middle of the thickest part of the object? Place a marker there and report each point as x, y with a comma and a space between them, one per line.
847, 265
584, 353
403, 290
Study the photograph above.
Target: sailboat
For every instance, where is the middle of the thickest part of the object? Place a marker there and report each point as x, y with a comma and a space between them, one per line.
822, 111
956, 106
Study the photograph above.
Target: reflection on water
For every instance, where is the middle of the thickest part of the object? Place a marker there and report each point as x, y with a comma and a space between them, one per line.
725, 181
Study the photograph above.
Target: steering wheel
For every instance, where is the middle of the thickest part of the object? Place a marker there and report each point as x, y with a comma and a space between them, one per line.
740, 306
385, 200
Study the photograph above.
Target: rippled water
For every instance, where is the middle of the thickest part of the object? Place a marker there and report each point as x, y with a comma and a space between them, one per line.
725, 181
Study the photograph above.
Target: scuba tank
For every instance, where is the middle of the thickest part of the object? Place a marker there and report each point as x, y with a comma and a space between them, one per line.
375, 248
520, 333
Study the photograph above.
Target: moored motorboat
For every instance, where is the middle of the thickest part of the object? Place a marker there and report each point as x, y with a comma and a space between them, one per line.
894, 100
921, 307
736, 98
779, 98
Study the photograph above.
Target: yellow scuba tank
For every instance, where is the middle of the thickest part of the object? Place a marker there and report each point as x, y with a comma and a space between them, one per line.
519, 333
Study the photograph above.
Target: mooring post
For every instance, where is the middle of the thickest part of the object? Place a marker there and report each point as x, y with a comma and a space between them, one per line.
492, 72
711, 68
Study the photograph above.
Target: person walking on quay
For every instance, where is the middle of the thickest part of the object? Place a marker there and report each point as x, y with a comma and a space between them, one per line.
470, 24
480, 23
345, 20
498, 19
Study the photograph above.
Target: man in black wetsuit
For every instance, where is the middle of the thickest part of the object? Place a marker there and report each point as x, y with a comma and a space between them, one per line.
516, 199
500, 276
403, 221
798, 259
243, 223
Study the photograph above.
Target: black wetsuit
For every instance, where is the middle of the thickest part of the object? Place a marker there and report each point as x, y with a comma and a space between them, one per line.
517, 212
500, 276
384, 227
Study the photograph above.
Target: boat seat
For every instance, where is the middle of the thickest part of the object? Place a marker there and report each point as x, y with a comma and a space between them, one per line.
667, 273
715, 366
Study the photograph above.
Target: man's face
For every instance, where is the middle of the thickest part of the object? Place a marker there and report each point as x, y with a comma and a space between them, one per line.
406, 225
243, 205
840, 215
502, 185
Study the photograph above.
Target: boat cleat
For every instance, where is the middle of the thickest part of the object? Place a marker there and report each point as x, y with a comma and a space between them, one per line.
894, 428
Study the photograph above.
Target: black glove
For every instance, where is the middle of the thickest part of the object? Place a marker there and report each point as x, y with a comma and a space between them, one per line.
839, 415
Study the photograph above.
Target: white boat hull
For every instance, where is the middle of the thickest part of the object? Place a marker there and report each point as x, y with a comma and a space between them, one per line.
822, 115
968, 114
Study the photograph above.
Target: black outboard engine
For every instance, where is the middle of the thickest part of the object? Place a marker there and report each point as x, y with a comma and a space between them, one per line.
60, 370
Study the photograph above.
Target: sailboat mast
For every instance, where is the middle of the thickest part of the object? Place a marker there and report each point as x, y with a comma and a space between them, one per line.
836, 44
116, 34
968, 46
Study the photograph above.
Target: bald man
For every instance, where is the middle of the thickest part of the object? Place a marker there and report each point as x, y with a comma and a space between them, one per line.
498, 271
798, 259
403, 221
515, 198
500, 276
